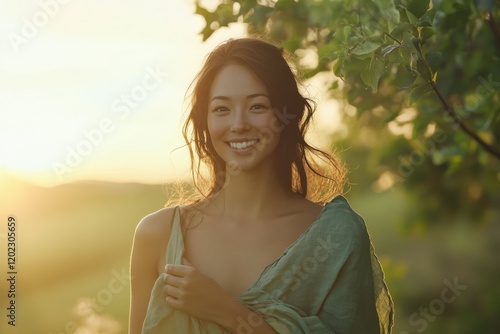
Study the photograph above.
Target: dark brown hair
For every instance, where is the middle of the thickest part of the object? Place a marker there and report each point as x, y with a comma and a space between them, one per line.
298, 168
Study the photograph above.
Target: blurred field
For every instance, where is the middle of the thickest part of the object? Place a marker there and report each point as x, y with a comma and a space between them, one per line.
75, 240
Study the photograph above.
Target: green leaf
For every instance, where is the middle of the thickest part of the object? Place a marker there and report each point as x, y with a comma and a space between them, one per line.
426, 33
260, 14
293, 43
404, 78
418, 91
346, 33
209, 18
337, 68
320, 13
366, 76
221, 17
246, 6
407, 40
424, 21
375, 72
389, 48
411, 17
423, 69
378, 67
388, 12
433, 59
400, 29
365, 47
418, 7
225, 14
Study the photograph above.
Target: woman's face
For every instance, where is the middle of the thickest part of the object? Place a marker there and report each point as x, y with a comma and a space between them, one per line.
241, 119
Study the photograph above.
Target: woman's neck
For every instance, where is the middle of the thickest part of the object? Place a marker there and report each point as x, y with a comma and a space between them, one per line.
250, 195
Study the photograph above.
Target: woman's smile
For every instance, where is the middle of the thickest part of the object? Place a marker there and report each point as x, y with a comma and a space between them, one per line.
244, 145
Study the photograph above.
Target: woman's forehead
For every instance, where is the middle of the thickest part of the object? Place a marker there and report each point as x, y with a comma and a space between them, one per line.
236, 80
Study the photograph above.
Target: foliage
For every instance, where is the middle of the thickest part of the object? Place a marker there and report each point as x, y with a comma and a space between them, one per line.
431, 69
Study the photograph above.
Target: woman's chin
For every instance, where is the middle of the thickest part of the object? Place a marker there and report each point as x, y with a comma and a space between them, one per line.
248, 165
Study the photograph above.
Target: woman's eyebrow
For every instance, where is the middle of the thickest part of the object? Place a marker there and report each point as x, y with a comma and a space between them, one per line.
220, 97
256, 95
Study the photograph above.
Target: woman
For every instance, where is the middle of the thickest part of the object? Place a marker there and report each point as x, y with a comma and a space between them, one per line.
259, 252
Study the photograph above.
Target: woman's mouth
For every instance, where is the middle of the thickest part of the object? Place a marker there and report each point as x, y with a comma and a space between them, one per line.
241, 145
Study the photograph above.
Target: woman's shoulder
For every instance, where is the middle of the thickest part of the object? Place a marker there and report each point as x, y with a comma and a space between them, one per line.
340, 220
150, 239
340, 208
156, 224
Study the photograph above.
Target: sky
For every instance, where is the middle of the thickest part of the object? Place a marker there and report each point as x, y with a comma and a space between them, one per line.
95, 90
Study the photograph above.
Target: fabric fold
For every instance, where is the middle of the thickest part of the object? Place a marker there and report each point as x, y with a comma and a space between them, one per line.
283, 317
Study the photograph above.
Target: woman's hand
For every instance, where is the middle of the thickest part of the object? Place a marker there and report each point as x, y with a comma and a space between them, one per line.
189, 290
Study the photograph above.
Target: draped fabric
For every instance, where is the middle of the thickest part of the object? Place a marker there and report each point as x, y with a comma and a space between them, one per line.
328, 281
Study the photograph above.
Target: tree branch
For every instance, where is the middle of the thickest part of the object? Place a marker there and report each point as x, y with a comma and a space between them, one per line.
495, 29
494, 151
394, 39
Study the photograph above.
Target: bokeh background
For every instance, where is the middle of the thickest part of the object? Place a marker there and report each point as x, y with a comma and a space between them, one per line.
91, 102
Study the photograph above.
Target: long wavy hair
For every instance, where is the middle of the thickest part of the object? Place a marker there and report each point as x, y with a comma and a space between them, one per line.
300, 168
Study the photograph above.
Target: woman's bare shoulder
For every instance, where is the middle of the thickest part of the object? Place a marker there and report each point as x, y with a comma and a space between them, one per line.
156, 225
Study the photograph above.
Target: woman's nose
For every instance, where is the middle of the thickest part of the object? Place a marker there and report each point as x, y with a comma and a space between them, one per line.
239, 122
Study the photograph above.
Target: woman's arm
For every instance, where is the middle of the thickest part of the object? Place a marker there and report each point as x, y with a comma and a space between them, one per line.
150, 240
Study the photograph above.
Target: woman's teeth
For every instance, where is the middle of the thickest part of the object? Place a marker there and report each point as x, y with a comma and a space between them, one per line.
241, 145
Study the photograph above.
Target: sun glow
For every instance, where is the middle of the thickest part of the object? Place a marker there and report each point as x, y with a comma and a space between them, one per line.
104, 101
100, 101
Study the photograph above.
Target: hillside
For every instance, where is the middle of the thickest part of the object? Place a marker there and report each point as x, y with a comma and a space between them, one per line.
72, 240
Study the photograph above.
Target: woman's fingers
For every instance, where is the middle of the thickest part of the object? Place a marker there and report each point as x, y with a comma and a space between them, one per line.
173, 287
172, 291
174, 302
178, 270
172, 280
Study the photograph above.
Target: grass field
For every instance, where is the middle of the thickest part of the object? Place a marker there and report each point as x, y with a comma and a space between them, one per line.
74, 243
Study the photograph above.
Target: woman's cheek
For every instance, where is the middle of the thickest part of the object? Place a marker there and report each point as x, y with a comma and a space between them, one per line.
215, 127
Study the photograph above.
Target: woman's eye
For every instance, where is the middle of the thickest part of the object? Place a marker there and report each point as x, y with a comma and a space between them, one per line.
219, 109
258, 107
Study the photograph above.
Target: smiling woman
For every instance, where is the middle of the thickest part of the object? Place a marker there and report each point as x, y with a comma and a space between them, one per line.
270, 246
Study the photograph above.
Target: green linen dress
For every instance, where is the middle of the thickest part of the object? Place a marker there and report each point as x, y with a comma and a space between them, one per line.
328, 281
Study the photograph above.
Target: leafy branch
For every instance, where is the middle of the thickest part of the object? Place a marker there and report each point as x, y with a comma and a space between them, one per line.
426, 72
378, 45
453, 114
